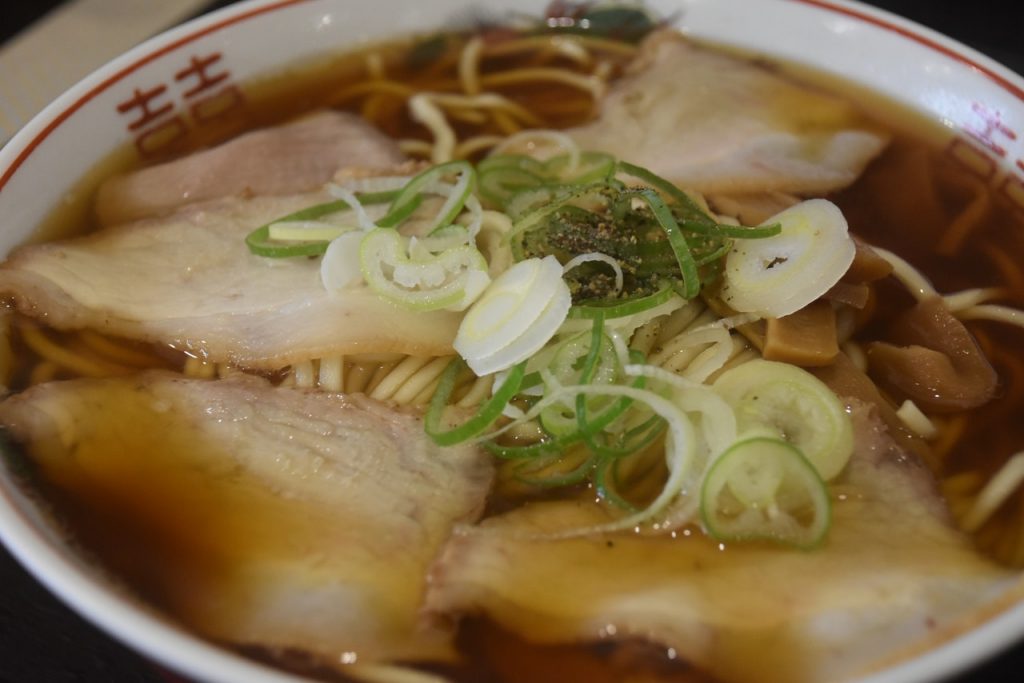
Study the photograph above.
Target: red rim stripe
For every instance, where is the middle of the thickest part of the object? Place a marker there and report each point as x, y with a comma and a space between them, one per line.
1001, 81
131, 68
996, 78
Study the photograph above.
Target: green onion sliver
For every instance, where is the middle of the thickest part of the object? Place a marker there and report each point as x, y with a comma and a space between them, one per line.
497, 185
659, 183
576, 475
622, 307
520, 161
531, 220
586, 375
397, 216
523, 202
633, 441
714, 256
676, 240
764, 488
559, 443
742, 232
591, 436
486, 415
604, 470
305, 231
533, 450
679, 454
414, 189
701, 221
592, 167
382, 197
261, 243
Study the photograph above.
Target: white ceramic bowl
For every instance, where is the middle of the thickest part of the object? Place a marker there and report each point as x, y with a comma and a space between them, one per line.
979, 103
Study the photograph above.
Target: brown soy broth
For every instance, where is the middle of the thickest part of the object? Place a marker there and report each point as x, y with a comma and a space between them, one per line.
881, 207
154, 506
911, 201
268, 101
494, 654
336, 82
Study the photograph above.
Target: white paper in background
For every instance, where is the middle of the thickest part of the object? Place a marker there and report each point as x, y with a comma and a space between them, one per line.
41, 62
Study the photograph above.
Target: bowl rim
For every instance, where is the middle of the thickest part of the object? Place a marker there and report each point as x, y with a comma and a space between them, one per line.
992, 69
144, 630
23, 143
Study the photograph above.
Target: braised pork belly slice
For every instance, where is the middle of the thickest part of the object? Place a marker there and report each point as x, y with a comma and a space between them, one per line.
188, 280
717, 124
892, 574
286, 159
256, 515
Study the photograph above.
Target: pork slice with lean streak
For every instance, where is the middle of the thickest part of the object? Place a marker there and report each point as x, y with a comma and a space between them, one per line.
719, 124
265, 517
892, 577
294, 157
188, 280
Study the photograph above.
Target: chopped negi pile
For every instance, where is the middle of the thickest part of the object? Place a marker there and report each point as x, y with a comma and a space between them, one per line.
584, 249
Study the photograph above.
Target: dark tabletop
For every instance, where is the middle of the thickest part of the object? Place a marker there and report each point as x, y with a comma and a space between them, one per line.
41, 641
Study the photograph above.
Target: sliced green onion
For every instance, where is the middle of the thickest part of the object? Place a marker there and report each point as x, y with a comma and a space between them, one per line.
382, 197
261, 242
636, 440
452, 279
765, 489
456, 201
576, 475
590, 366
306, 231
448, 237
515, 317
657, 182
498, 185
780, 275
398, 216
621, 308
714, 256
520, 161
737, 231
340, 267
679, 455
604, 468
415, 188
676, 240
592, 167
559, 443
529, 200
559, 201
628, 443
532, 450
485, 416
790, 402
598, 364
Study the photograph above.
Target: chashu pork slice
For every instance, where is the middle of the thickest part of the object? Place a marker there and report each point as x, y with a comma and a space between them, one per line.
892, 578
294, 157
188, 280
264, 517
718, 124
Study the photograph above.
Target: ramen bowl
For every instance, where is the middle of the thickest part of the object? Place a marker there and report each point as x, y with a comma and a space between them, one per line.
193, 76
